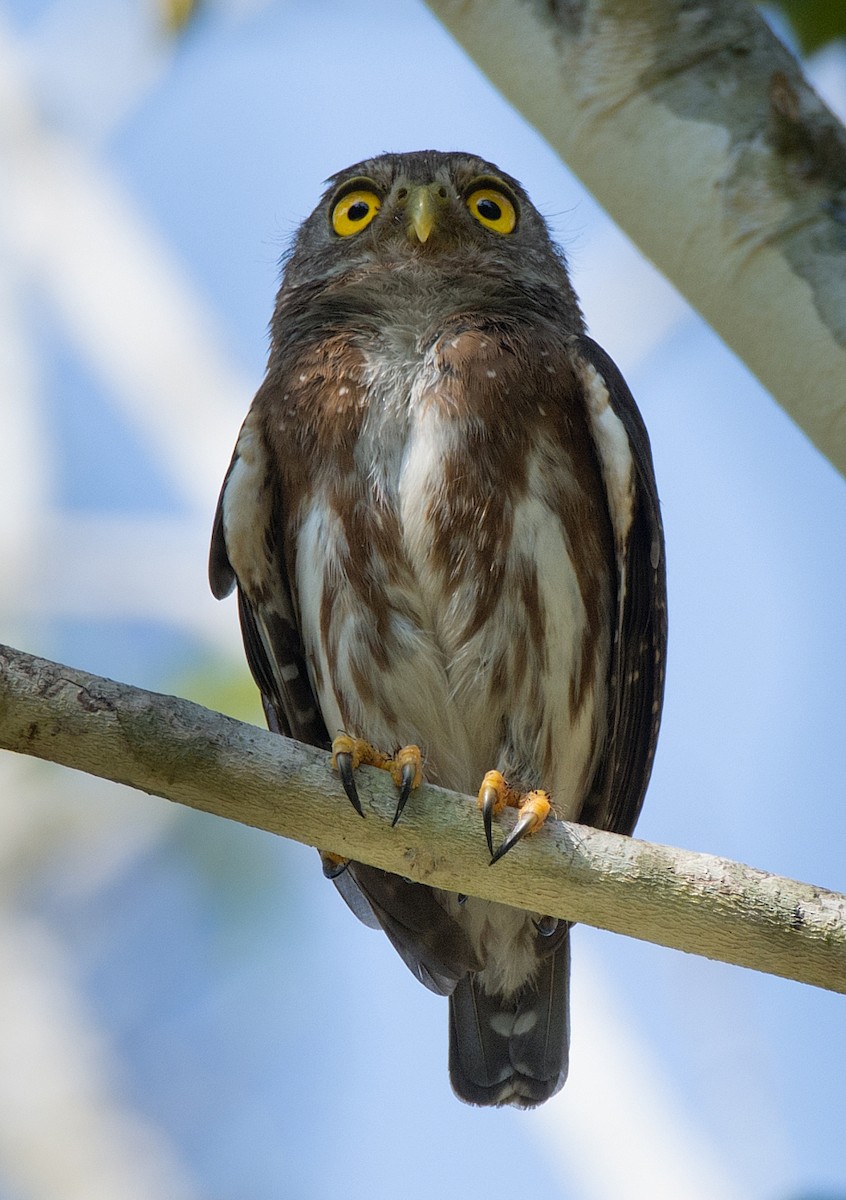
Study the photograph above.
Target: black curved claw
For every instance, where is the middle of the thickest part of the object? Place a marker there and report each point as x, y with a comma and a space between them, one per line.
546, 926
523, 826
409, 770
487, 817
345, 769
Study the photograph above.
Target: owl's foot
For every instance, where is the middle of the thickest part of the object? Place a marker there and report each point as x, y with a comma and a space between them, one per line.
333, 864
495, 795
405, 767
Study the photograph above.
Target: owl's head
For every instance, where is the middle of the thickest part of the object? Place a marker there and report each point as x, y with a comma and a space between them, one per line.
448, 212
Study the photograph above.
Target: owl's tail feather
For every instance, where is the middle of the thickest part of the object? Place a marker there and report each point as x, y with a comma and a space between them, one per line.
512, 1051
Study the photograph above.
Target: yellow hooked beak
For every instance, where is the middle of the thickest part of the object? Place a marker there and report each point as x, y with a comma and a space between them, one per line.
421, 207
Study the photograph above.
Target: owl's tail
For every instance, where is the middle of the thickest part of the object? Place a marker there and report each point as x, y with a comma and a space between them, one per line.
512, 1051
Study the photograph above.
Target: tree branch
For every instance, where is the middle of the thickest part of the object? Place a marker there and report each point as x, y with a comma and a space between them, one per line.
697, 113
172, 748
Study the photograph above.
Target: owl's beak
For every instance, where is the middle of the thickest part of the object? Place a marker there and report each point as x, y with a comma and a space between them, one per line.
421, 208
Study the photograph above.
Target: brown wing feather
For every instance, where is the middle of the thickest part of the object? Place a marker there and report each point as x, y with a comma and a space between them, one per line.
432, 945
245, 550
637, 671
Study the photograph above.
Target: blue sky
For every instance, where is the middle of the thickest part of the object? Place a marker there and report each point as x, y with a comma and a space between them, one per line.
262, 1039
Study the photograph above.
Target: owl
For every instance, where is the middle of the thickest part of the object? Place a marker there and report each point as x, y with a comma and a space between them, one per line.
442, 522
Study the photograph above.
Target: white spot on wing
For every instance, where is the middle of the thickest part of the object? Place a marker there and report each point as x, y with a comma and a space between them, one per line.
615, 455
246, 511
524, 1023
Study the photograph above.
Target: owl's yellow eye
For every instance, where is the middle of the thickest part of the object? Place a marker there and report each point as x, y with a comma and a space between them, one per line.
493, 209
355, 211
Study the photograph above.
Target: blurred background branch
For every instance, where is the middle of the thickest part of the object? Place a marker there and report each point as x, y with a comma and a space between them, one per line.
696, 129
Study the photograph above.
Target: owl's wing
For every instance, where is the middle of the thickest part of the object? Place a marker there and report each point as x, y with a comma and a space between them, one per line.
432, 945
640, 635
245, 551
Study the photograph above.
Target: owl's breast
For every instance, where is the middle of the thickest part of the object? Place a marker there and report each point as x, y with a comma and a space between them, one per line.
445, 596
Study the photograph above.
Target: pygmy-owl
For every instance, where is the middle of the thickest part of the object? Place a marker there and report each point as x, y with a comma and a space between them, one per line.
442, 521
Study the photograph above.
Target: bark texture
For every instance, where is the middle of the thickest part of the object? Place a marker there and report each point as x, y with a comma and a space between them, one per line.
172, 748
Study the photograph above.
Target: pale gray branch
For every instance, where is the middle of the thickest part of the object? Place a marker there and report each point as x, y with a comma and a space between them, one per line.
175, 749
694, 127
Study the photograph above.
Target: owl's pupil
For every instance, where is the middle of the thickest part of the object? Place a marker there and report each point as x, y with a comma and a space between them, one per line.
358, 211
489, 209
